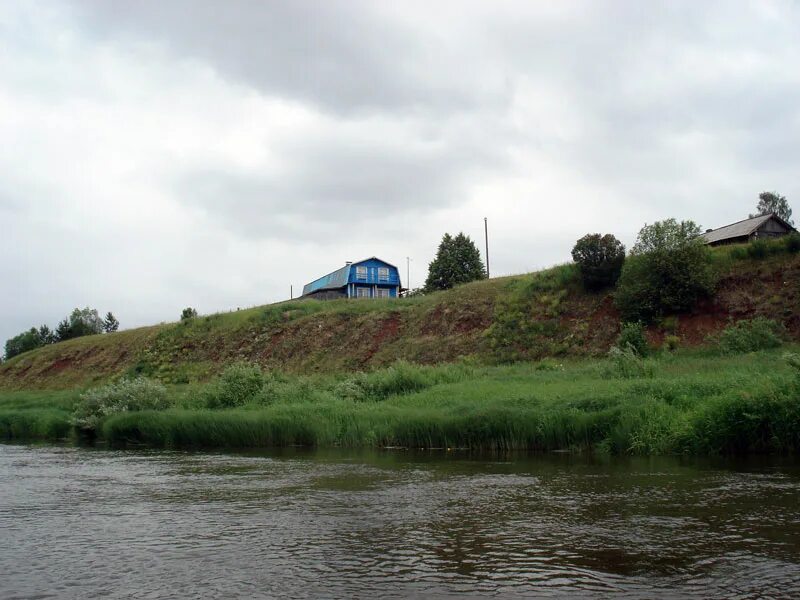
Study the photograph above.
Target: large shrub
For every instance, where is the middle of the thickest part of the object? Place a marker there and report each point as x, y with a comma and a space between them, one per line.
124, 396
632, 336
668, 271
600, 259
750, 336
239, 384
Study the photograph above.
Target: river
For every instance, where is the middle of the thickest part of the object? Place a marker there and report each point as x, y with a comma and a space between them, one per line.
93, 523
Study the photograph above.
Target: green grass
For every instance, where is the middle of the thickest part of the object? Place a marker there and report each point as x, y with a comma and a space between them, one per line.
695, 402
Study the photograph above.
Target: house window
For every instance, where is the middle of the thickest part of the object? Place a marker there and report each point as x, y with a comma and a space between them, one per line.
383, 274
361, 272
362, 292
383, 293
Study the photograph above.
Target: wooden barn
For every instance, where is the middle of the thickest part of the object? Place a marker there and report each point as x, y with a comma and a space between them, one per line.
760, 227
368, 278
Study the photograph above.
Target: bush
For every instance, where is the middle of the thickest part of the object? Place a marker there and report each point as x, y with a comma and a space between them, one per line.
626, 364
127, 395
671, 343
632, 336
188, 313
668, 271
750, 335
239, 383
600, 259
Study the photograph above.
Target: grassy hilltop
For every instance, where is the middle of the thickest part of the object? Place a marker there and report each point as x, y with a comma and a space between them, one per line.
526, 317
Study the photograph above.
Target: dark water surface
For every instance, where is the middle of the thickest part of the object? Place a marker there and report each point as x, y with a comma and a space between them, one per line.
79, 523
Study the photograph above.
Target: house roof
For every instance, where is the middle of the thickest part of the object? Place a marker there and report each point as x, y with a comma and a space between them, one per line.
741, 228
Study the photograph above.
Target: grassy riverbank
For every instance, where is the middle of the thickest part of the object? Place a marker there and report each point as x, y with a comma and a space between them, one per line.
693, 402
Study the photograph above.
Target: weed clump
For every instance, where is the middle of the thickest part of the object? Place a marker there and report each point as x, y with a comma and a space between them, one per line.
625, 363
671, 343
128, 395
750, 336
239, 384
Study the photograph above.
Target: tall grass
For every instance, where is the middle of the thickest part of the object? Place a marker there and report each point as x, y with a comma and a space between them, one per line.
688, 403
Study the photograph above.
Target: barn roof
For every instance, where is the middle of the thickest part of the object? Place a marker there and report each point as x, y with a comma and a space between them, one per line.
741, 228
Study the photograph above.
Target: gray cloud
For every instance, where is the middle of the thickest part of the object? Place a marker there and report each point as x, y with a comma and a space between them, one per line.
327, 187
339, 55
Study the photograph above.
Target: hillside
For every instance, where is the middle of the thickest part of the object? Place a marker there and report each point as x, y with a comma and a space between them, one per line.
525, 317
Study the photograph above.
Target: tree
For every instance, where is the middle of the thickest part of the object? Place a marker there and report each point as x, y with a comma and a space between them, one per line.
85, 321
110, 323
600, 259
773, 202
47, 335
188, 313
668, 270
457, 261
25, 341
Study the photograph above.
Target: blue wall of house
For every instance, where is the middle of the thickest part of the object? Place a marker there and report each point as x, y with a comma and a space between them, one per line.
372, 265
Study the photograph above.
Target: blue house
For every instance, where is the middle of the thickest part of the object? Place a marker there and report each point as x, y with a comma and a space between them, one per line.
368, 278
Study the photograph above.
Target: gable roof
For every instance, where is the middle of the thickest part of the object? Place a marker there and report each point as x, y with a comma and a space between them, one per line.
358, 262
741, 228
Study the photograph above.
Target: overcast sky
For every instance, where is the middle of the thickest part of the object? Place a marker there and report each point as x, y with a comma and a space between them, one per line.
159, 154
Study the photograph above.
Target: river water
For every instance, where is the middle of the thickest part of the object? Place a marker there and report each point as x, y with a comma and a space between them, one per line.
83, 523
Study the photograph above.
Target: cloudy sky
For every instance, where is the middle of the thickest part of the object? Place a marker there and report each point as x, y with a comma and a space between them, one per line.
158, 154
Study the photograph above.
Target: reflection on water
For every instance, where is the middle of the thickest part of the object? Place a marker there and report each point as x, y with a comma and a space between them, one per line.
92, 523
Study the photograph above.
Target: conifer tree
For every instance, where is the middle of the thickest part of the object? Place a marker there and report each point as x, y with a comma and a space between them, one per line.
110, 323
457, 261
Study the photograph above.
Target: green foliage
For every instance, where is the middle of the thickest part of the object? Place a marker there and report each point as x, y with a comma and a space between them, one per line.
527, 321
681, 403
600, 259
671, 343
750, 336
457, 261
124, 396
24, 342
625, 363
668, 271
793, 243
188, 313
239, 384
110, 323
398, 379
81, 322
774, 203
632, 335
37, 423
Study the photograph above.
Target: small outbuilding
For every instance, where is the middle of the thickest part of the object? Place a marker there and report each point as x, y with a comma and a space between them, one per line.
368, 278
760, 227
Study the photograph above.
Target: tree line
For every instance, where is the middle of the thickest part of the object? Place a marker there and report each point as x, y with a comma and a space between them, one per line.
80, 322
668, 270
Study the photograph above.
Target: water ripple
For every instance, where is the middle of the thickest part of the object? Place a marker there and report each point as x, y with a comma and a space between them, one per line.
79, 523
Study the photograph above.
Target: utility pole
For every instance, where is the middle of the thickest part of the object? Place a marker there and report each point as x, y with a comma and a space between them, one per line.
408, 273
486, 236
291, 292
